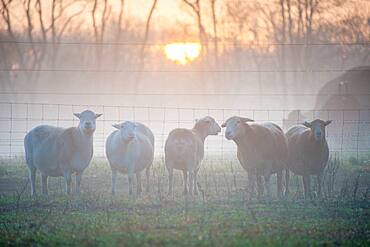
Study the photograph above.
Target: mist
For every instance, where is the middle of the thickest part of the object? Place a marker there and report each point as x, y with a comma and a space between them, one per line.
287, 64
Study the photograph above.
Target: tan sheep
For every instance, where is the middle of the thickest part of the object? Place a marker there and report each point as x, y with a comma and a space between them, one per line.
308, 151
262, 151
184, 150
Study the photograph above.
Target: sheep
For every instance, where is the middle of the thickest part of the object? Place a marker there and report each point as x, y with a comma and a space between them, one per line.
308, 151
130, 149
261, 150
60, 152
184, 150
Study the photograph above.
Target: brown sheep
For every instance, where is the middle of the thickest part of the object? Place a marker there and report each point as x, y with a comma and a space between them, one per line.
184, 150
262, 151
308, 151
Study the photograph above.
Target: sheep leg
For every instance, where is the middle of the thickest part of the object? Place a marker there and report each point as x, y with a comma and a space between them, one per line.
319, 181
185, 174
250, 185
280, 184
306, 185
44, 184
114, 181
130, 178
147, 173
131, 171
68, 179
138, 183
196, 182
32, 176
170, 180
309, 186
78, 182
287, 182
267, 185
191, 182
259, 186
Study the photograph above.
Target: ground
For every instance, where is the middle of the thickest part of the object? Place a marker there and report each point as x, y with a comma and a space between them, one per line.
219, 216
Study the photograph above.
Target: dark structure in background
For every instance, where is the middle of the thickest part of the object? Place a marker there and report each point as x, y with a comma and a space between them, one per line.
294, 117
350, 91
346, 100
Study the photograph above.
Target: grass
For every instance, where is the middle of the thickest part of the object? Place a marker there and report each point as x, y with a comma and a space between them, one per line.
220, 216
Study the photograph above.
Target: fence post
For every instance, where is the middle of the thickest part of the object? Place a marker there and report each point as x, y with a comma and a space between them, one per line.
178, 117
103, 134
11, 130
163, 127
358, 133
58, 115
342, 136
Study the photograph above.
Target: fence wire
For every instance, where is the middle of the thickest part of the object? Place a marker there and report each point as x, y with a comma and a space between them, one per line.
348, 135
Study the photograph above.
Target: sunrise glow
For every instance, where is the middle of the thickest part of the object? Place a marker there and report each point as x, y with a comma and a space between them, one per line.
182, 53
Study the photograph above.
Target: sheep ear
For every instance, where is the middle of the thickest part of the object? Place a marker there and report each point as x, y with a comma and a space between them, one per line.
223, 125
117, 126
98, 115
78, 115
307, 124
244, 119
328, 122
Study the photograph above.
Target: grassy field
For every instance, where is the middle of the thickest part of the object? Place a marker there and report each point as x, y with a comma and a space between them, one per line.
219, 216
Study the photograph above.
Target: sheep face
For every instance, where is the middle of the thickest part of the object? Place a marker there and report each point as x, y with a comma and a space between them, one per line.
87, 123
127, 130
318, 128
209, 124
235, 127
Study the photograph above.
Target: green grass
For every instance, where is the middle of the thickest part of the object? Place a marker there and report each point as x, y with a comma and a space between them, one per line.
218, 217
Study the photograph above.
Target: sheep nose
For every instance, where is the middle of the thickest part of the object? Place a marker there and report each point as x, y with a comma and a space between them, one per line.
88, 125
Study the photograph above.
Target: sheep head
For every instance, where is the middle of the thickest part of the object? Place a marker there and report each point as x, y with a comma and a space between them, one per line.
317, 127
87, 123
127, 130
235, 127
207, 125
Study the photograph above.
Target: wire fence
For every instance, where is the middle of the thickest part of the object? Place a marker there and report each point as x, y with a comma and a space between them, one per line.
348, 135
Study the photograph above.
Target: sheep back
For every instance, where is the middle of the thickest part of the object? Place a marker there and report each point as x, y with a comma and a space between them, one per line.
264, 148
51, 150
183, 150
133, 156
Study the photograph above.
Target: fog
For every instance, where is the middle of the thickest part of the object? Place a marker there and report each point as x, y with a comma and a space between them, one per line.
259, 59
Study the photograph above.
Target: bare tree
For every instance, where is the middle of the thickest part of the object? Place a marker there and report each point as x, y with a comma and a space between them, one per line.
145, 40
215, 36
147, 27
196, 9
6, 18
60, 23
99, 26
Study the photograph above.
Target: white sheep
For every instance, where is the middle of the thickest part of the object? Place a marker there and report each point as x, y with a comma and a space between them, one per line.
129, 150
184, 150
60, 152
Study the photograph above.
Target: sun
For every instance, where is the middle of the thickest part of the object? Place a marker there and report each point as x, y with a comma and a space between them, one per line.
182, 53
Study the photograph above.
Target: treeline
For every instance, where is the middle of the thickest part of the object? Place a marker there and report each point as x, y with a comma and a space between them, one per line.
39, 37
